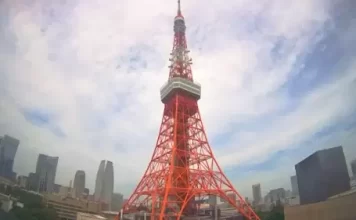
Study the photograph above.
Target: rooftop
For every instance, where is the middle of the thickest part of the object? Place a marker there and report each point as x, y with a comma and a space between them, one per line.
352, 191
91, 215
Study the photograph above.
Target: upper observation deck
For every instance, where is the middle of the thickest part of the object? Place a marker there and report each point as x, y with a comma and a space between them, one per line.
176, 84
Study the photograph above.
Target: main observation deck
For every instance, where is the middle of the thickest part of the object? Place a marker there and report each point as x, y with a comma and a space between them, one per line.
176, 84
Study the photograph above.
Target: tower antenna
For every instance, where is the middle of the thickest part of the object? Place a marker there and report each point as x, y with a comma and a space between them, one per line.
179, 11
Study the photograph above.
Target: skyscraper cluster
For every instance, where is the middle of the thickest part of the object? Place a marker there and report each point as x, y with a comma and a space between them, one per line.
319, 176
43, 179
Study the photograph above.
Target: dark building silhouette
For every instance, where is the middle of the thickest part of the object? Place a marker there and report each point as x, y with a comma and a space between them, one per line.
8, 149
32, 183
294, 183
353, 167
116, 202
46, 172
79, 183
322, 175
86, 193
104, 184
56, 188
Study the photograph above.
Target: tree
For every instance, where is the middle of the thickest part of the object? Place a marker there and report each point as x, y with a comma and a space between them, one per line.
34, 213
33, 209
276, 213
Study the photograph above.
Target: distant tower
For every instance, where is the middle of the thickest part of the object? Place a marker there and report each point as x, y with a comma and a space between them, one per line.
353, 168
104, 184
8, 149
116, 203
79, 183
294, 182
183, 169
46, 169
257, 195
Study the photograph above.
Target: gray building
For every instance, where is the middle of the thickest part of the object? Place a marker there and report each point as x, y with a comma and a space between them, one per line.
104, 184
46, 172
353, 168
8, 149
294, 183
22, 181
56, 188
116, 203
275, 195
32, 182
322, 175
256, 192
79, 183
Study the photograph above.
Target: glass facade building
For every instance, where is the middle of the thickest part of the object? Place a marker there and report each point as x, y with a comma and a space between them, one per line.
8, 149
322, 175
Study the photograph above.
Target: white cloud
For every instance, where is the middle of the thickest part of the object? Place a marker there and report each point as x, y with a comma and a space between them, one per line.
73, 61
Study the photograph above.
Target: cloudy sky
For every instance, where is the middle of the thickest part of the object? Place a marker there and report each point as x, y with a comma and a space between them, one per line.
80, 79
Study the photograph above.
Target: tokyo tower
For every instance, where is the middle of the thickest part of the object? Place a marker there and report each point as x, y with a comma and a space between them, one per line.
183, 170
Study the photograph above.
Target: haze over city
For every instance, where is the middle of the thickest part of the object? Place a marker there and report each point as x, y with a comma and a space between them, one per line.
80, 80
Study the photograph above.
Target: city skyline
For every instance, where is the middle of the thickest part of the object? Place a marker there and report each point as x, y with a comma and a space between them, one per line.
87, 96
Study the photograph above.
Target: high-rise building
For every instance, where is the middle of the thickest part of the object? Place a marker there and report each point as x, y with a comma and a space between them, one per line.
22, 181
32, 183
212, 201
294, 183
322, 175
104, 184
353, 168
46, 171
116, 203
275, 195
79, 183
56, 188
257, 195
8, 149
86, 193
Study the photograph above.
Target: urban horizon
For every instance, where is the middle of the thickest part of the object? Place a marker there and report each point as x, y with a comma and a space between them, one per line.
256, 104
250, 196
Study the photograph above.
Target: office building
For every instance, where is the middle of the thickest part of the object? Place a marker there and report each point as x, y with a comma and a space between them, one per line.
353, 168
212, 201
338, 207
67, 207
294, 183
256, 192
22, 181
56, 188
79, 183
46, 171
8, 149
86, 193
88, 216
322, 175
104, 184
275, 195
117, 200
32, 182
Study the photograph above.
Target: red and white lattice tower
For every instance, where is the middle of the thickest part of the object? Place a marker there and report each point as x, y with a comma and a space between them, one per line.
182, 169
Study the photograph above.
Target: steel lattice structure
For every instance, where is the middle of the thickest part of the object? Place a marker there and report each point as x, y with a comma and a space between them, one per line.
182, 167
